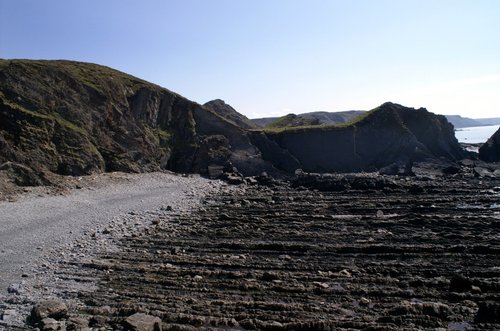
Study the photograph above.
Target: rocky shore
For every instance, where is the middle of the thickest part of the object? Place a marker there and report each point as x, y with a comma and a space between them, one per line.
322, 252
78, 219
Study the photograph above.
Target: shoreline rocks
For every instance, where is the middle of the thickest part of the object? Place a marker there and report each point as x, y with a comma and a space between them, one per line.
284, 257
490, 151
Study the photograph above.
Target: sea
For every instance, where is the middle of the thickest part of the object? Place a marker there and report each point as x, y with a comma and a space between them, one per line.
475, 134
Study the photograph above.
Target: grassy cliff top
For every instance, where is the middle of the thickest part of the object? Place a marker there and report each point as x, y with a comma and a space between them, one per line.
93, 75
386, 109
273, 129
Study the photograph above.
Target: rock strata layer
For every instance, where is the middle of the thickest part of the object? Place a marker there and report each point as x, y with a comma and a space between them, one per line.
490, 151
73, 118
383, 253
386, 135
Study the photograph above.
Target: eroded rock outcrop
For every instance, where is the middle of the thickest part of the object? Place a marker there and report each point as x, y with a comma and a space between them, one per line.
224, 110
388, 134
75, 118
490, 151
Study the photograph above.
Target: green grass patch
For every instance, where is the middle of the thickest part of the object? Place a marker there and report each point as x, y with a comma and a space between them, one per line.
326, 127
95, 76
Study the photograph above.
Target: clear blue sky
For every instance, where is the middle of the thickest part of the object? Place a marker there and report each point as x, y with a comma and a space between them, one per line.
272, 57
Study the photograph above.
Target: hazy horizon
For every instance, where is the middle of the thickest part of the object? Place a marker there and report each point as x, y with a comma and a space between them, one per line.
271, 58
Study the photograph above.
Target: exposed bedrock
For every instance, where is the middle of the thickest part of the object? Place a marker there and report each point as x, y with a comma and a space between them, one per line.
490, 151
74, 118
388, 134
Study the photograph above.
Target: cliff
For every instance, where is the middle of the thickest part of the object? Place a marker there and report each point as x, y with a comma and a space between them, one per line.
75, 118
388, 134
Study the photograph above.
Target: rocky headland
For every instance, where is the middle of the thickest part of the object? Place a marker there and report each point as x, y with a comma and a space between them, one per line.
389, 134
73, 118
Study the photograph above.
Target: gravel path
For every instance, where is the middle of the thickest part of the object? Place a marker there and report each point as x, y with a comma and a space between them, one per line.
33, 226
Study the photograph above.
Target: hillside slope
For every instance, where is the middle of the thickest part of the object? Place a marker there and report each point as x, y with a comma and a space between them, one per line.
462, 122
488, 121
75, 118
312, 118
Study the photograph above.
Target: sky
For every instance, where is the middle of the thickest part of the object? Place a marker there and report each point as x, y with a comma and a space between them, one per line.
274, 57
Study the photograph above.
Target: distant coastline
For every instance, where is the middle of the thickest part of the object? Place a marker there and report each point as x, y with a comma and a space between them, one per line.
476, 134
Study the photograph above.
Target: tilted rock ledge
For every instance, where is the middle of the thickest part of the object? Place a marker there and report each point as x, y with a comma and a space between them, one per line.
490, 151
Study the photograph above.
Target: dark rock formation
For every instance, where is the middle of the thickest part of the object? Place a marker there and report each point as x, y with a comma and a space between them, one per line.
371, 257
462, 122
292, 120
270, 150
229, 113
76, 118
388, 134
490, 151
489, 312
55, 309
142, 322
22, 175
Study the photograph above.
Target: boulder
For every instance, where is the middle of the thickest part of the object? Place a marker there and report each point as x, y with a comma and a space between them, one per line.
9, 316
55, 309
215, 171
482, 172
142, 322
50, 324
78, 324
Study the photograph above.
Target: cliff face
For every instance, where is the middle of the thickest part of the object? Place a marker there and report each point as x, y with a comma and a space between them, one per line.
78, 118
490, 150
388, 134
74, 118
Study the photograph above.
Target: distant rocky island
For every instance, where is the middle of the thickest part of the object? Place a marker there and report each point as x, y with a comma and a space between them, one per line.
74, 118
